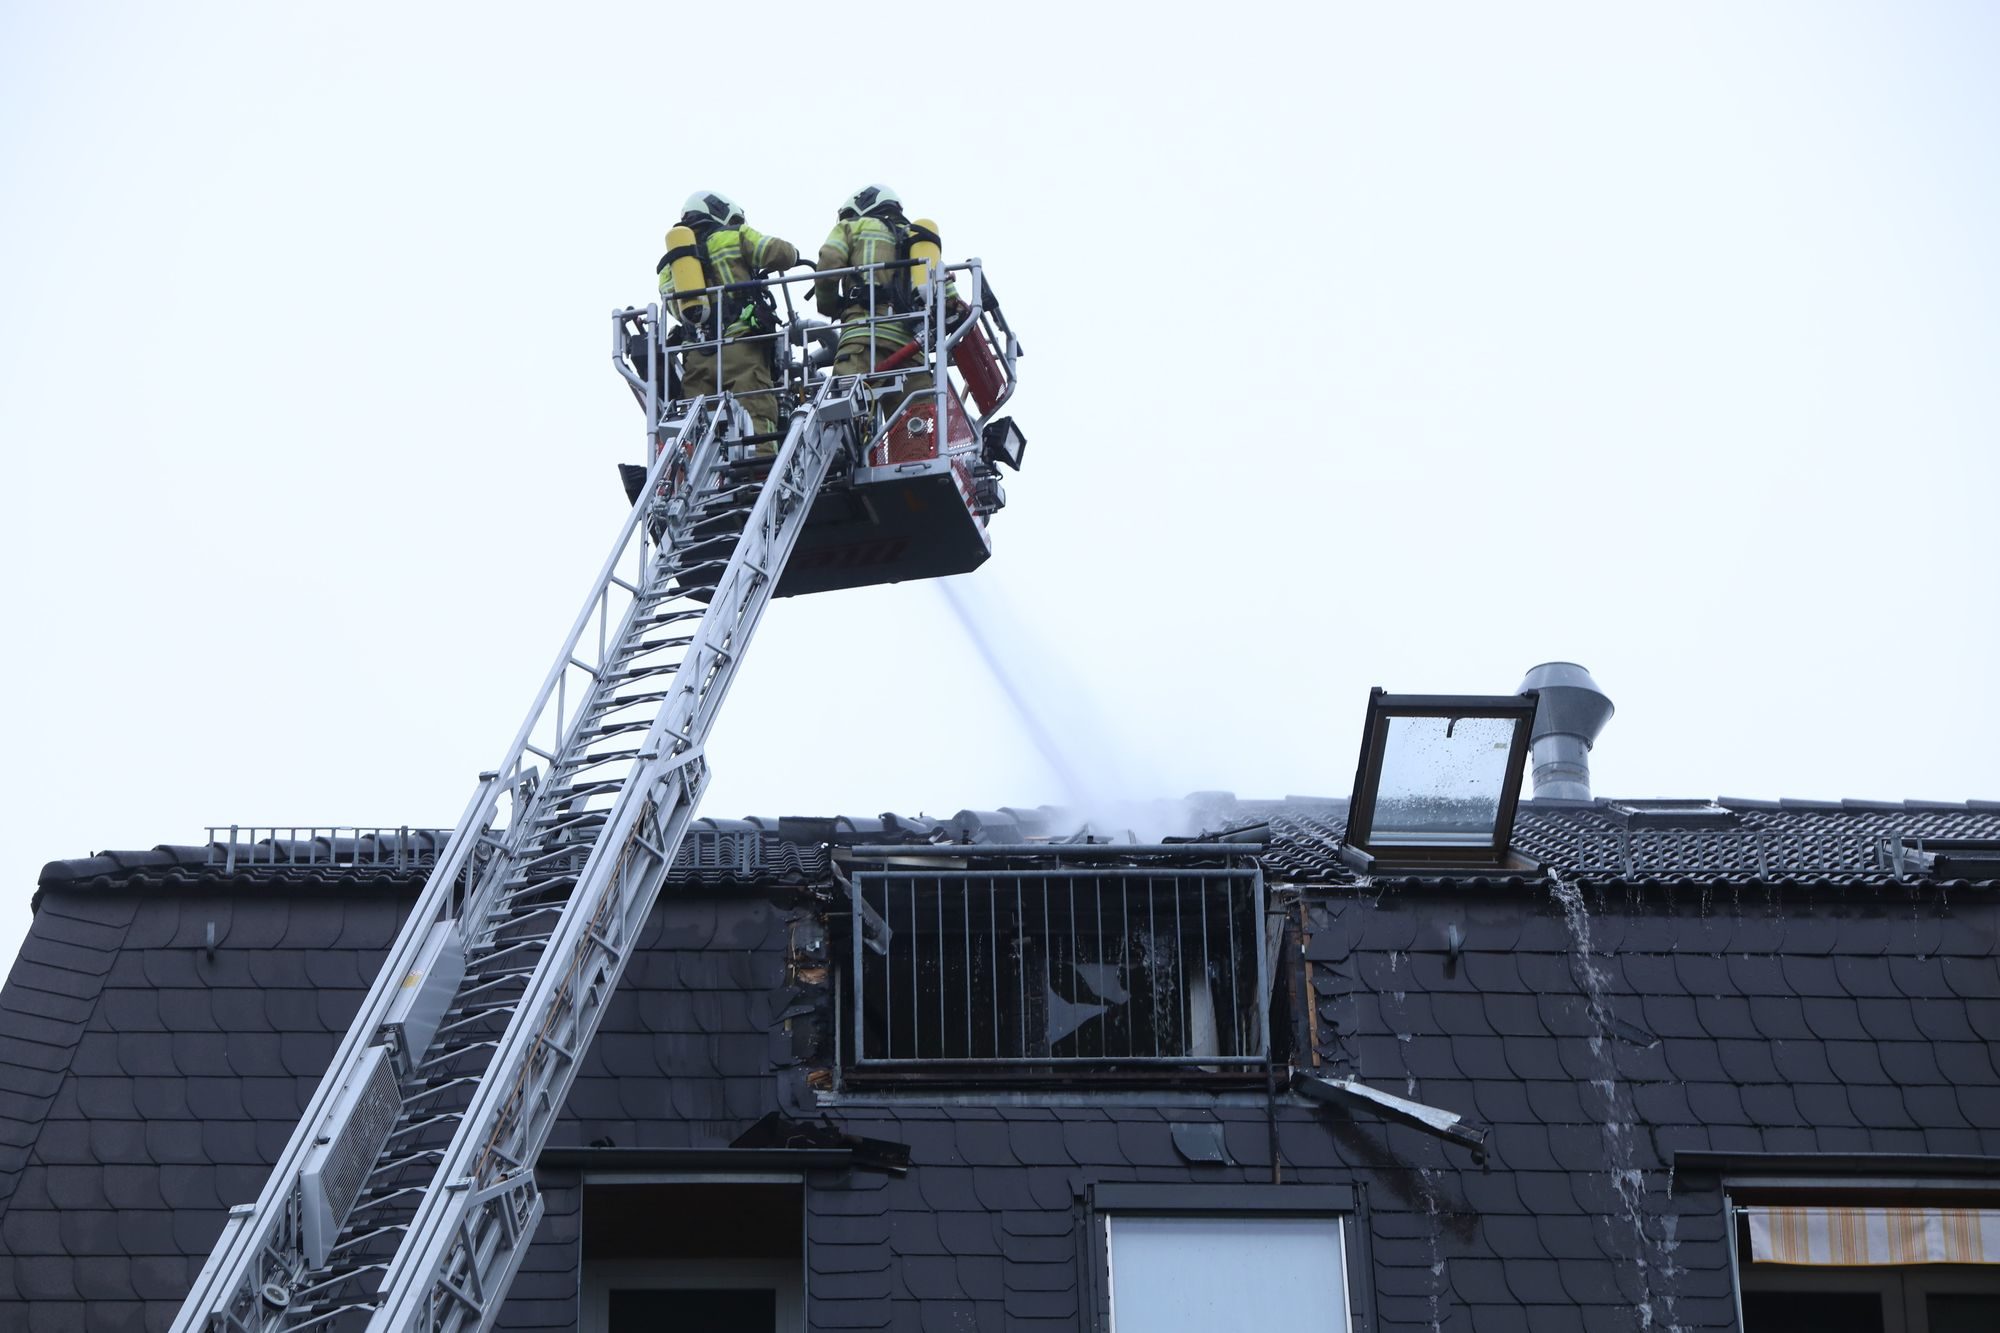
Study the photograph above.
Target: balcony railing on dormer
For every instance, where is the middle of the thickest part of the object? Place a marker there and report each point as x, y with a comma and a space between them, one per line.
1109, 966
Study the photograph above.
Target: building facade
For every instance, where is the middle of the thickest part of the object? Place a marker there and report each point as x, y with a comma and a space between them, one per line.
1679, 1065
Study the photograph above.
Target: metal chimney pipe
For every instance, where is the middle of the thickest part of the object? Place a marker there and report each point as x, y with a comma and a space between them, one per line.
1570, 711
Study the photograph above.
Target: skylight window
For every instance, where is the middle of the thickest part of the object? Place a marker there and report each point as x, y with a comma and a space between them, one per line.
1439, 777
1673, 814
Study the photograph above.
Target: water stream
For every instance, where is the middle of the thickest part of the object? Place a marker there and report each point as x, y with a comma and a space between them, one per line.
1627, 1180
1428, 1187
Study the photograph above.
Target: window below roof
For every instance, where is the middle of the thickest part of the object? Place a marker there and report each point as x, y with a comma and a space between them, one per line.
1889, 1268
1198, 1257
1091, 970
690, 1254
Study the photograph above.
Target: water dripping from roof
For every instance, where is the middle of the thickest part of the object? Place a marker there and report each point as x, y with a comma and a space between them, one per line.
1627, 1180
1428, 1187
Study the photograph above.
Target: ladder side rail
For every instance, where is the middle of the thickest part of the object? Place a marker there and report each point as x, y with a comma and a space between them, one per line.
512, 764
471, 1230
239, 1264
778, 519
703, 422
488, 1227
236, 1268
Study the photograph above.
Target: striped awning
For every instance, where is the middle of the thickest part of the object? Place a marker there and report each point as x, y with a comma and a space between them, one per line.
1861, 1237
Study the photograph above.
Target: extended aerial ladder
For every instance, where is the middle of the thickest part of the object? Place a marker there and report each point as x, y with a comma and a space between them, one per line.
406, 1197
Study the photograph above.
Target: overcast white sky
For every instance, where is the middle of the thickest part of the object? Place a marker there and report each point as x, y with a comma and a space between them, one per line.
1368, 344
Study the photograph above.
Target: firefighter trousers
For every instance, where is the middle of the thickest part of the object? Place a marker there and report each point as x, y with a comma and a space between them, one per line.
745, 372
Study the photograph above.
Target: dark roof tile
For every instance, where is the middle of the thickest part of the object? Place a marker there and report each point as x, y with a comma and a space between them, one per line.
50, 1006
1434, 1057
1038, 1143
1972, 978
1671, 1016
980, 1276
1771, 1104
303, 1054
1965, 1141
1501, 1102
1556, 1102
1920, 978
1092, 1142
1493, 974
1036, 1222
1891, 1020
909, 1231
1025, 1305
971, 1316
1833, 1018
1933, 1107
1855, 1062
1052, 1189
962, 1234
931, 1278
1966, 1062
835, 1285
1053, 1277
1866, 978
832, 1257
132, 1186
1747, 1061
1536, 1058
860, 1313
1801, 1062
1479, 1282
1543, 973
30, 1067
999, 1187
1779, 1017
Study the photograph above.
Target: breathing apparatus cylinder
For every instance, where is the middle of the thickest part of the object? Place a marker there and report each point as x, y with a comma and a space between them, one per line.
928, 253
684, 261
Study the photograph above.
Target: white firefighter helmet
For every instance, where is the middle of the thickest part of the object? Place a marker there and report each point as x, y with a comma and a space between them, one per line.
718, 208
871, 199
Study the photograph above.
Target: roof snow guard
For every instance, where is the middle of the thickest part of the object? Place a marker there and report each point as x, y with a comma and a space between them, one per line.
400, 860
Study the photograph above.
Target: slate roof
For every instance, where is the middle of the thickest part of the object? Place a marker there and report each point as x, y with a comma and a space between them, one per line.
1816, 1003
147, 1081
1782, 1019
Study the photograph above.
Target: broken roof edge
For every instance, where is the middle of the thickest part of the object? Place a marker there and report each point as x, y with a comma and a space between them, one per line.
1303, 832
710, 855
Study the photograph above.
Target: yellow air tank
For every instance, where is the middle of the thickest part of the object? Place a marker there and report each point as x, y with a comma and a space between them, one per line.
684, 261
925, 246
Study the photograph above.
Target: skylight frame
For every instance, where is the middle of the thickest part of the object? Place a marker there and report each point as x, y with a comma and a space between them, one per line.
1383, 708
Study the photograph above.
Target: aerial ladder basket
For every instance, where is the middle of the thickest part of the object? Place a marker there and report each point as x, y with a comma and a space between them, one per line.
406, 1198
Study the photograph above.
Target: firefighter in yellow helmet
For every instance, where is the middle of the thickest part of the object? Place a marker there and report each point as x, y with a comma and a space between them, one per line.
877, 311
730, 251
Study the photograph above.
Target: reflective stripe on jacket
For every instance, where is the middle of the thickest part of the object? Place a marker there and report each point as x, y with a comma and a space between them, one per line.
854, 243
737, 254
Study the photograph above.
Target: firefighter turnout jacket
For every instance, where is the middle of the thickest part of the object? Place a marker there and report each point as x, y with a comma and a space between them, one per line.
855, 243
736, 254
